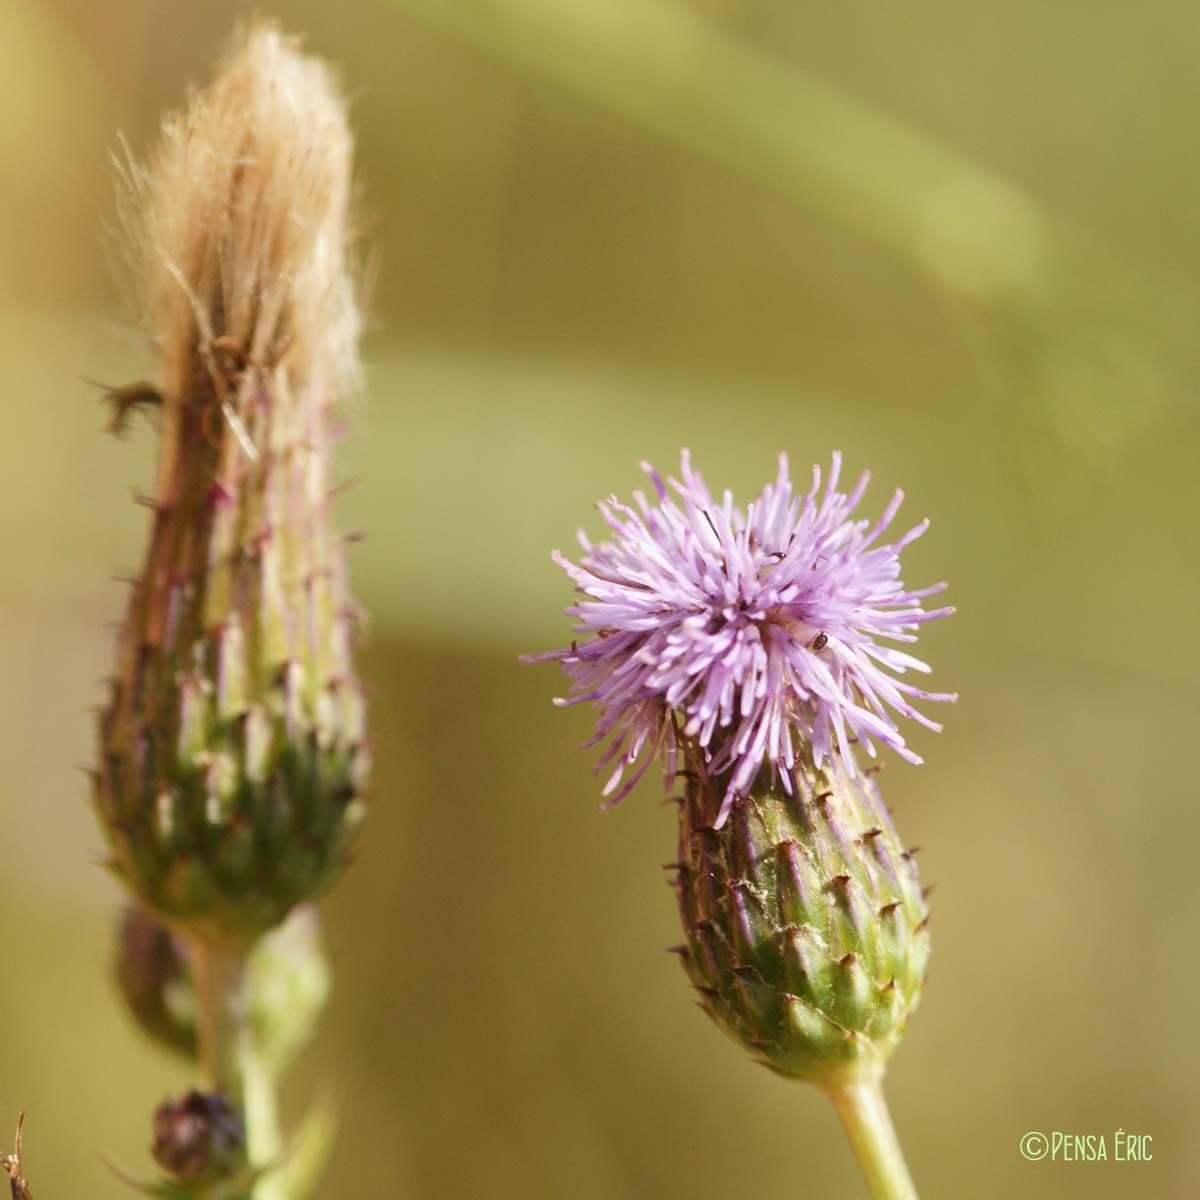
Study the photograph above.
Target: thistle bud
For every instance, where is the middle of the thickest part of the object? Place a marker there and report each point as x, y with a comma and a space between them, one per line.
154, 977
807, 934
232, 745
199, 1139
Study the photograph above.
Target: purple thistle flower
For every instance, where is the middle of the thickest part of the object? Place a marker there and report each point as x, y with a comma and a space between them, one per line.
744, 632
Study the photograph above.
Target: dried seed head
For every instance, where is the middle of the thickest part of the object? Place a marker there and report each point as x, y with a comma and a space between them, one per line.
238, 225
232, 748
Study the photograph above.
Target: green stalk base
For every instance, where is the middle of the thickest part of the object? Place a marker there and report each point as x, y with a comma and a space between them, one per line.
868, 1124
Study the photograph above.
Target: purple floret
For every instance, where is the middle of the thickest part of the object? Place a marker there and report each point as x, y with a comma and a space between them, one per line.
748, 633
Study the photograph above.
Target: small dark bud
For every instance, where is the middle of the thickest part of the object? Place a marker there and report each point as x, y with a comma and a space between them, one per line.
199, 1137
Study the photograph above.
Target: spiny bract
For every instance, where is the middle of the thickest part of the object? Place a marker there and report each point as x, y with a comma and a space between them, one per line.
807, 932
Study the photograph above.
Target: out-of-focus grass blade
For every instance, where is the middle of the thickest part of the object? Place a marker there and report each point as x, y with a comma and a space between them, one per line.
665, 68
1058, 291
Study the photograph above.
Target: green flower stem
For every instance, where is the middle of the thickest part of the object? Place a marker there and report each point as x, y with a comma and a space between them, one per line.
264, 1143
219, 972
868, 1124
231, 1061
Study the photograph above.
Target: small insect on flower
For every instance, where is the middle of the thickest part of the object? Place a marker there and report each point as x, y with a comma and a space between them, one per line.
129, 399
745, 633
12, 1166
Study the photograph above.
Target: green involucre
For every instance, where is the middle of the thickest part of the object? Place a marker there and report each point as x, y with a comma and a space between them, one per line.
807, 933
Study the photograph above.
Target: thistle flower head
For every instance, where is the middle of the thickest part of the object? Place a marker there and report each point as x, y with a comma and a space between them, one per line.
750, 633
232, 747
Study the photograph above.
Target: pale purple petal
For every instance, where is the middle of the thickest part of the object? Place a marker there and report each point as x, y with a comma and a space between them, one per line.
749, 632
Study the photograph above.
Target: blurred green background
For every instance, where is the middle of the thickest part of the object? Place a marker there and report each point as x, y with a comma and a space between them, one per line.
957, 242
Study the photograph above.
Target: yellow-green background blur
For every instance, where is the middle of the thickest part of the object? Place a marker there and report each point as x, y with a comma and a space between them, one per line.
958, 242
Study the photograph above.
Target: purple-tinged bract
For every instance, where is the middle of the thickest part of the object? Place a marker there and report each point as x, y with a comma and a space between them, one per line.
747, 632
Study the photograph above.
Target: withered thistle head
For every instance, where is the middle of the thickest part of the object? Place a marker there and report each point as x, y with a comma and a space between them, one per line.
232, 746
239, 227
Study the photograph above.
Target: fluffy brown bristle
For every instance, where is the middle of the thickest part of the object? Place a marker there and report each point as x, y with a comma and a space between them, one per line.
238, 222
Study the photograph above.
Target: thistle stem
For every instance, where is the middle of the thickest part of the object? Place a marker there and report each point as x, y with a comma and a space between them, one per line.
220, 1014
868, 1124
230, 1059
264, 1143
